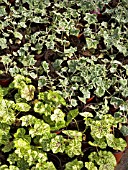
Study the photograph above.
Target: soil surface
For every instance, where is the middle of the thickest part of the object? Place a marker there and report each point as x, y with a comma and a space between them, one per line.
123, 165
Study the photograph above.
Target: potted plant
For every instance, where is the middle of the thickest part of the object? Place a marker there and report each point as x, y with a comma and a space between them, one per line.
105, 160
102, 127
118, 145
102, 133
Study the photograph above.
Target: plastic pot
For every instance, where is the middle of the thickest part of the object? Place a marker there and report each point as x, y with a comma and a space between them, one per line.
85, 146
118, 155
5, 80
55, 159
2, 66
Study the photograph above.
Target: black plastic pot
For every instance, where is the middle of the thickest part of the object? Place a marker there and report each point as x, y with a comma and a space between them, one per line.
85, 146
5, 80
55, 159
2, 66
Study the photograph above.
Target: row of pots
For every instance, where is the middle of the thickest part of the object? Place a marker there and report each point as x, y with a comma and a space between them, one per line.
5, 81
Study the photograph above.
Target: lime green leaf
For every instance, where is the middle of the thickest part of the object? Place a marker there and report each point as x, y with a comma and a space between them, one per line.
57, 144
73, 134
73, 148
74, 165
90, 166
22, 107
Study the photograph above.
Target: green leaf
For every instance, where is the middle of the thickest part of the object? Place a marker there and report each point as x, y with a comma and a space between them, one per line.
100, 91
18, 35
3, 43
52, 97
3, 11
86, 114
73, 148
57, 144
11, 167
125, 92
72, 64
74, 165
69, 52
55, 97
116, 102
21, 143
8, 147
90, 18
40, 128
123, 82
86, 94
99, 143
103, 158
22, 164
45, 141
46, 166
82, 99
7, 111
57, 64
28, 120
90, 166
20, 133
42, 81
5, 137
73, 134
124, 130
27, 92
6, 59
22, 107
122, 49
126, 68
41, 108
58, 115
91, 43
45, 66
76, 79
1, 94
116, 143
28, 61
71, 115
20, 81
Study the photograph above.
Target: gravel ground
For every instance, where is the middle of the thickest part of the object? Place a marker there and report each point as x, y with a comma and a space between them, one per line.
123, 165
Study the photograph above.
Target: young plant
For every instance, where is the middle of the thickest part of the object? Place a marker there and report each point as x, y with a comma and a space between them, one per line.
105, 160
101, 131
